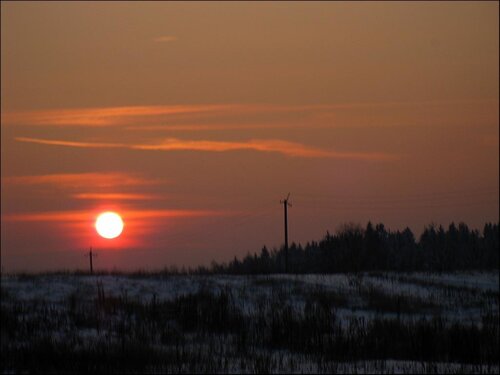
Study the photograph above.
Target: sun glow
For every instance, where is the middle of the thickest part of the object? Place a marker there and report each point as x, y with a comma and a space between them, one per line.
109, 225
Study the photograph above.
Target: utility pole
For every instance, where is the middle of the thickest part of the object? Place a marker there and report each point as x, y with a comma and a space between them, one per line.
91, 255
285, 206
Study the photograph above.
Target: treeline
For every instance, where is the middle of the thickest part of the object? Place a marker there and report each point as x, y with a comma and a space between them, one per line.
356, 249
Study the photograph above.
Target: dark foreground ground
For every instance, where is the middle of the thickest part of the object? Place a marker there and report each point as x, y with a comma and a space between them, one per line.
347, 323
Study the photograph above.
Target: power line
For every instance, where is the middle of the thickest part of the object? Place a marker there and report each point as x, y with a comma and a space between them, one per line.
402, 206
479, 192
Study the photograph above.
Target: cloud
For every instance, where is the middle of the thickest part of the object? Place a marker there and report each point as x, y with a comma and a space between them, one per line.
159, 114
287, 148
273, 145
69, 143
114, 196
81, 180
210, 127
165, 39
108, 116
89, 216
133, 115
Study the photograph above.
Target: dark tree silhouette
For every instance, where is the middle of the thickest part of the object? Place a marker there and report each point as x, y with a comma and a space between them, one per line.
354, 249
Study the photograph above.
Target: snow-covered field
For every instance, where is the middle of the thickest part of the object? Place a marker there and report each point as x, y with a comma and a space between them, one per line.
252, 323
457, 295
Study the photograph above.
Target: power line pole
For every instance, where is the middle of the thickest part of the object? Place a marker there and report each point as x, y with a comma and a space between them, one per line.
91, 255
285, 206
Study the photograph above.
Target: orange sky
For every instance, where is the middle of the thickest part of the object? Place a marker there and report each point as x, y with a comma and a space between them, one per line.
193, 120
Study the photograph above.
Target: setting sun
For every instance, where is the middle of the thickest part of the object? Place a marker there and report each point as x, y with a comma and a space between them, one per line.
109, 225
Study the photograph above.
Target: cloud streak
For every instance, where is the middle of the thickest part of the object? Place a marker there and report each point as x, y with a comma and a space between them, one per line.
134, 115
115, 196
159, 114
89, 216
108, 116
286, 148
234, 126
81, 180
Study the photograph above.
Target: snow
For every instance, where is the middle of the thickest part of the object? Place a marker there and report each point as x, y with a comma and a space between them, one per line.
466, 291
458, 297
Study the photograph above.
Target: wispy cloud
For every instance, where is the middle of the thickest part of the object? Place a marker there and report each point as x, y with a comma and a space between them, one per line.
108, 116
134, 115
165, 39
115, 196
283, 147
235, 126
81, 180
70, 143
263, 145
160, 114
85, 216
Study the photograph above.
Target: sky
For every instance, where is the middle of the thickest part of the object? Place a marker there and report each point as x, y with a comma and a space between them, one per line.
192, 120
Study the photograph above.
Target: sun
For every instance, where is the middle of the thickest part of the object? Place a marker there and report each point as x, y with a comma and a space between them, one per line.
109, 225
